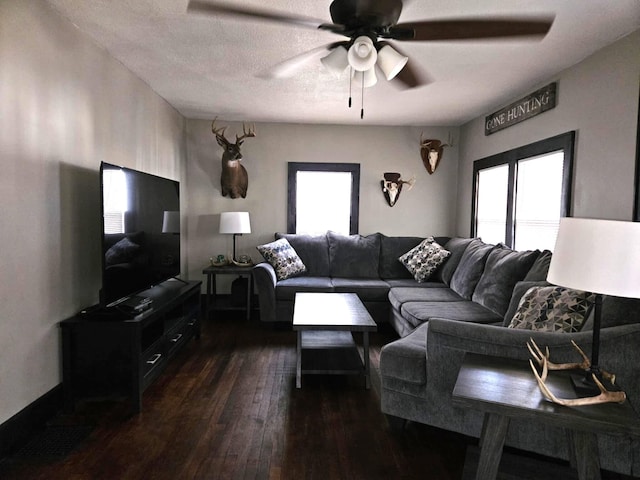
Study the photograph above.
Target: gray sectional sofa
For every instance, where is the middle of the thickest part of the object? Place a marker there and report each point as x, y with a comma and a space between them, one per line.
465, 306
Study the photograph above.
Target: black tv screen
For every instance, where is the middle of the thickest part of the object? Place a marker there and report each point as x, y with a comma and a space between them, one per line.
140, 231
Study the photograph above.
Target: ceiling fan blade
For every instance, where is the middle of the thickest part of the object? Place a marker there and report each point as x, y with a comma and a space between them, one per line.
470, 29
217, 8
290, 67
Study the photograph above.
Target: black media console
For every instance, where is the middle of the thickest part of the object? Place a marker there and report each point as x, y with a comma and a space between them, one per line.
107, 352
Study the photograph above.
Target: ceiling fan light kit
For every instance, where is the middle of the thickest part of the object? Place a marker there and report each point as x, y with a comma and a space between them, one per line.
362, 54
390, 61
365, 79
336, 62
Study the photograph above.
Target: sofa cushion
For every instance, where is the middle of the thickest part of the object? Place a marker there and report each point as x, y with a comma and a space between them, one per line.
406, 359
470, 268
410, 282
283, 258
417, 313
122, 252
354, 256
552, 309
540, 268
401, 295
313, 250
368, 289
286, 289
503, 268
423, 259
390, 250
456, 246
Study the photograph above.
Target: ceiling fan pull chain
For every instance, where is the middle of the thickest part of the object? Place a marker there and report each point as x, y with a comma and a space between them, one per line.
362, 99
350, 76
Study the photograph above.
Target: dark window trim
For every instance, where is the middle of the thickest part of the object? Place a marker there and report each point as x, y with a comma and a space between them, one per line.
295, 167
564, 141
636, 203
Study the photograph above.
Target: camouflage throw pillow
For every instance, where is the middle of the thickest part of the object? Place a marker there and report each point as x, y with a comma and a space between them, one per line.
553, 309
283, 258
423, 260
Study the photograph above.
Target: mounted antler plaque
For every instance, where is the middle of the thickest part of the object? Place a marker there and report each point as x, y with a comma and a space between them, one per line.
431, 151
392, 186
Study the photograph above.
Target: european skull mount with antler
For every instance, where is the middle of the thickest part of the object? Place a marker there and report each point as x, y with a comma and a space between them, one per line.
392, 186
431, 151
234, 180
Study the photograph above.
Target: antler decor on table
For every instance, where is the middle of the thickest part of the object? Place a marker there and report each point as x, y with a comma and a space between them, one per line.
542, 360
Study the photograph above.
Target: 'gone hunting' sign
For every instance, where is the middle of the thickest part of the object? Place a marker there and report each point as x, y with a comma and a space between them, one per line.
525, 108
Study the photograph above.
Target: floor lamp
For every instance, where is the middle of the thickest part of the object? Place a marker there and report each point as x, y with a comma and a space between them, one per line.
598, 256
235, 223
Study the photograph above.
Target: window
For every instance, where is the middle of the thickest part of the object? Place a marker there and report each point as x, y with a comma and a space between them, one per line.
519, 196
323, 196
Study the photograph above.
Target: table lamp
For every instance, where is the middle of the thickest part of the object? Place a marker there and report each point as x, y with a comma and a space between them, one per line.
235, 223
598, 256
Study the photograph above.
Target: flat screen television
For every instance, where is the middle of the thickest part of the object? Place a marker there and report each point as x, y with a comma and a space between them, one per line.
140, 232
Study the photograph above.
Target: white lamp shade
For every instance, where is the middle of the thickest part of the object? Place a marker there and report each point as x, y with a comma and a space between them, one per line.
599, 256
368, 76
390, 61
171, 222
362, 54
235, 222
336, 62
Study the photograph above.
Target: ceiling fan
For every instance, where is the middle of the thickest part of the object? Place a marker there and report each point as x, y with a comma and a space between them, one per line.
369, 25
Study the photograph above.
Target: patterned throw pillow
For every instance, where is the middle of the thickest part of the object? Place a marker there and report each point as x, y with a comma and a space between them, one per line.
553, 309
424, 259
283, 258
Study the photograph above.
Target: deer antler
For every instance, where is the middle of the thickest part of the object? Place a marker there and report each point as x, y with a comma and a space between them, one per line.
424, 143
584, 365
411, 182
245, 134
605, 396
219, 133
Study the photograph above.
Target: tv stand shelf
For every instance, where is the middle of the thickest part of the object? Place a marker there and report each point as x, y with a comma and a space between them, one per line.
107, 352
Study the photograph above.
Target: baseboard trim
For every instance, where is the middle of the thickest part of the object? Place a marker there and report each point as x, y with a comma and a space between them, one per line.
16, 431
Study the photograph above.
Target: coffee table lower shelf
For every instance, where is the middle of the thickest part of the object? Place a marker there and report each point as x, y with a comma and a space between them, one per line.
327, 352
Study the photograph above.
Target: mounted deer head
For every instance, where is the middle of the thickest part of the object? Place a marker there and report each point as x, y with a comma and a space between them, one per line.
392, 186
234, 180
431, 152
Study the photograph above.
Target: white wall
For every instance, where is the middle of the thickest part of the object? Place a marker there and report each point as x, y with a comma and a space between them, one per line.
599, 99
65, 105
427, 209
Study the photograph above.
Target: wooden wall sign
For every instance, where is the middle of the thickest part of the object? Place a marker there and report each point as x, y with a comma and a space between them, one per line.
525, 108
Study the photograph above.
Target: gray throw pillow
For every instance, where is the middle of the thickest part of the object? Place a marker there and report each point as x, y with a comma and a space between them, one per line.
553, 309
423, 260
283, 258
540, 268
456, 246
122, 252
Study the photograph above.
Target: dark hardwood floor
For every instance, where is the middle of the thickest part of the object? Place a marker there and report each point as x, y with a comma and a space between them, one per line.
227, 408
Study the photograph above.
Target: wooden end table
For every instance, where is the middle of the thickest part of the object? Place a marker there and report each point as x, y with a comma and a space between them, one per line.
211, 273
325, 322
505, 388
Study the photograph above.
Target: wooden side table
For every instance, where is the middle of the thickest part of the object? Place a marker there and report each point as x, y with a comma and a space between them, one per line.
505, 388
211, 273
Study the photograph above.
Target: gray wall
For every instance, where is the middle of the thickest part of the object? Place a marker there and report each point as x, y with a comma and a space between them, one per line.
65, 105
428, 208
599, 99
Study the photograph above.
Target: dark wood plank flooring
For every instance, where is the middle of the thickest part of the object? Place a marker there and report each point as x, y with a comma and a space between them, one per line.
227, 408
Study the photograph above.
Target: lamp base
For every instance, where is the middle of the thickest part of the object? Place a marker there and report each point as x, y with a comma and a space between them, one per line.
584, 385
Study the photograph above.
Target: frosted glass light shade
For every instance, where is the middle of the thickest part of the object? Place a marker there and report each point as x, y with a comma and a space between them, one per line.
369, 77
235, 222
336, 62
599, 256
362, 54
390, 61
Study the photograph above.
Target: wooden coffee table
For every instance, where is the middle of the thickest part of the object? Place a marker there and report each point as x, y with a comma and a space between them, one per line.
325, 323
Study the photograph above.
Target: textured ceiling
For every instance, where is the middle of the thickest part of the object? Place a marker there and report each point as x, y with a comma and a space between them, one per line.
208, 66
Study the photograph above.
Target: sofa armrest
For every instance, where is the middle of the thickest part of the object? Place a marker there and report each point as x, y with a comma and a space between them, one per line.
265, 280
447, 342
